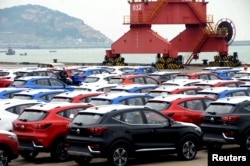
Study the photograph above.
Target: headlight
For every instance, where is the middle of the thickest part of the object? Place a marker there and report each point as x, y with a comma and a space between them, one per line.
198, 129
13, 136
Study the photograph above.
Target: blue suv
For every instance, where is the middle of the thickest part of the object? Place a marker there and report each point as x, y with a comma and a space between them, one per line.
226, 74
40, 82
221, 92
79, 77
121, 98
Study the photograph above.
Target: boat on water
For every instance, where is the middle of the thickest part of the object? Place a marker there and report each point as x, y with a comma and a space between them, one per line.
10, 51
52, 50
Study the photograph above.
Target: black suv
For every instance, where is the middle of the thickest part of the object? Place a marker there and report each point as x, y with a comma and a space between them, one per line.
119, 132
227, 121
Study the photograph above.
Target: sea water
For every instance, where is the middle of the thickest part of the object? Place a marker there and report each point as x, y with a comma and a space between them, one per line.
96, 55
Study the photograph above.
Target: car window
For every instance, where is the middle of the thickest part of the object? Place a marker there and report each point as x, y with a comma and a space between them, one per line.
241, 93
23, 97
61, 99
85, 99
157, 105
48, 97
18, 83
32, 115
115, 80
19, 108
100, 101
55, 82
149, 80
220, 108
203, 77
70, 113
87, 119
43, 82
138, 80
154, 118
213, 77
51, 74
194, 105
189, 92
133, 117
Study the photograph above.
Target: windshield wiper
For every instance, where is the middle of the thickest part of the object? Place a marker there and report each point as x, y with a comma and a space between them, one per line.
78, 123
24, 120
212, 113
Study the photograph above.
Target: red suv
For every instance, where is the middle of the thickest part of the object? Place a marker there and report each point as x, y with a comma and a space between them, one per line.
43, 127
180, 107
8, 147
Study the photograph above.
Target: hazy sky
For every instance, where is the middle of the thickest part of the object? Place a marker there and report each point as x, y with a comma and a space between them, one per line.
106, 16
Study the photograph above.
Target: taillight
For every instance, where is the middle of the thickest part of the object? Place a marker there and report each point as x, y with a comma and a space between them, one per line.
42, 125
97, 130
230, 119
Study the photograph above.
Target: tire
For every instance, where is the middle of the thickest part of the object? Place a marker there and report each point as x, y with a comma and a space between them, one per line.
245, 143
28, 155
187, 148
82, 160
58, 151
119, 154
4, 158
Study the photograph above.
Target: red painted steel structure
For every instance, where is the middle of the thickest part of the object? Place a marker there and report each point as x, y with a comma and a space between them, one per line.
199, 35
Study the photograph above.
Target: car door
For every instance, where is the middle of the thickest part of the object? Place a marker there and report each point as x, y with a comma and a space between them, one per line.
160, 133
56, 84
136, 129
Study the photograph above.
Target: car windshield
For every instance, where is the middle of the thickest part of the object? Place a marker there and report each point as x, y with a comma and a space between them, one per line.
157, 105
32, 115
238, 75
87, 118
118, 90
220, 108
181, 77
212, 95
115, 81
61, 99
4, 73
18, 83
91, 79
23, 97
100, 101
169, 84
158, 93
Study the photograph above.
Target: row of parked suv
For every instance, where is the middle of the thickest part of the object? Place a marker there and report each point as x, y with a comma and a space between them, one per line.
119, 132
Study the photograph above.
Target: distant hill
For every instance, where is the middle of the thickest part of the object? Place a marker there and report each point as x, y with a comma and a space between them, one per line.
34, 26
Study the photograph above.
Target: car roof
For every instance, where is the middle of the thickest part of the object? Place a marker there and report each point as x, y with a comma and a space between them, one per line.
222, 89
182, 81
111, 96
76, 93
12, 102
12, 89
92, 87
33, 77
173, 97
172, 88
212, 82
132, 86
36, 91
53, 105
102, 109
164, 72
232, 100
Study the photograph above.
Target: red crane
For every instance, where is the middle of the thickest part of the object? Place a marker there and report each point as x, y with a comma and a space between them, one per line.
200, 34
